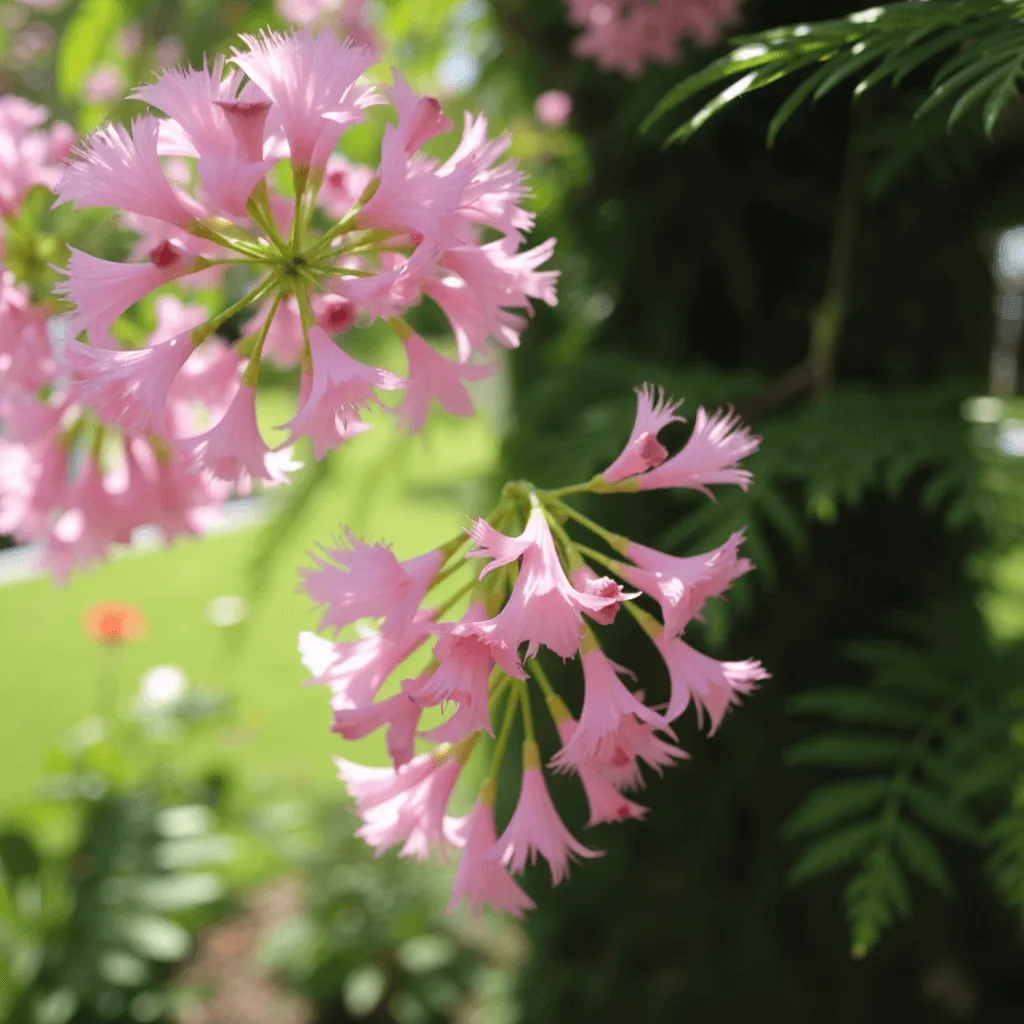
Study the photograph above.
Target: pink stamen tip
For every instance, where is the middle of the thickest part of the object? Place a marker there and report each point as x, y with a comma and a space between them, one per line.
417, 237
620, 759
651, 450
165, 255
337, 178
623, 811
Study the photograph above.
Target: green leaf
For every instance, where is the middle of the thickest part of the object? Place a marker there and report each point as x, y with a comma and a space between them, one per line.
853, 706
922, 857
834, 802
1001, 95
181, 892
363, 989
18, 856
89, 33
840, 750
942, 815
155, 937
184, 854
122, 969
185, 821
834, 851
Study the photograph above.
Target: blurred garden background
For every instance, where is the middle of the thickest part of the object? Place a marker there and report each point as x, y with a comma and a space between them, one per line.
174, 843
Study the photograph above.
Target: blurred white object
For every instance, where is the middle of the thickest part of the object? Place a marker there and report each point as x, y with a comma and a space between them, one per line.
228, 610
162, 685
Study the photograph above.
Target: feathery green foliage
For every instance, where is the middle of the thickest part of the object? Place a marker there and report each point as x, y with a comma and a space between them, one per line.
929, 733
983, 41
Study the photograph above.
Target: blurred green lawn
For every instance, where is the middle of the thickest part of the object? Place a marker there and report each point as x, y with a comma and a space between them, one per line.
416, 492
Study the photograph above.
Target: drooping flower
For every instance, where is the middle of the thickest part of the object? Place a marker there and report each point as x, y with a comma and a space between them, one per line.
643, 451
479, 879
536, 828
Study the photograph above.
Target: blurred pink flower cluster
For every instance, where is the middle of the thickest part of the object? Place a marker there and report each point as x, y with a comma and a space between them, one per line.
349, 19
624, 35
105, 432
540, 588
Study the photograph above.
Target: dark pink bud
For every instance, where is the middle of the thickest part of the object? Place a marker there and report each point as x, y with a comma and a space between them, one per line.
247, 122
336, 314
426, 121
166, 255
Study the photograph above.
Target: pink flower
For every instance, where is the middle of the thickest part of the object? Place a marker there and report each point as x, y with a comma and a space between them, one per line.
586, 580
121, 168
400, 714
102, 291
544, 607
682, 585
643, 451
466, 662
432, 377
553, 108
312, 83
713, 685
623, 35
339, 386
355, 671
344, 183
284, 342
26, 354
535, 827
605, 703
367, 581
479, 880
29, 154
128, 388
420, 118
710, 456
406, 806
234, 450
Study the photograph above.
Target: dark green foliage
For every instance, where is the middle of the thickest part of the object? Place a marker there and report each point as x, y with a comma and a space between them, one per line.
836, 291
983, 41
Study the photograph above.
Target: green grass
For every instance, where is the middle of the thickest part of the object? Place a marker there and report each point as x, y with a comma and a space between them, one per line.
415, 492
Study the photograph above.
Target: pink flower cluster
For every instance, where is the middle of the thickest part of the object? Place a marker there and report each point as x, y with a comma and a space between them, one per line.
29, 154
538, 589
623, 35
348, 18
79, 488
349, 247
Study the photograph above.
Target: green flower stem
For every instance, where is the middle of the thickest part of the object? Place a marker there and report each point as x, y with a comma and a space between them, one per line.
258, 208
612, 539
531, 736
555, 705
252, 369
592, 485
346, 223
201, 333
504, 734
455, 599
647, 622
596, 556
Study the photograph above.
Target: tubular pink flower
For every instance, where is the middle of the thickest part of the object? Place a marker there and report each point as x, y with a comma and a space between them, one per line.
535, 827
367, 581
432, 377
26, 354
544, 607
344, 183
605, 703
312, 83
643, 451
234, 450
121, 168
464, 672
128, 388
714, 686
102, 291
682, 586
479, 880
400, 714
420, 118
717, 443
355, 671
338, 388
586, 580
407, 808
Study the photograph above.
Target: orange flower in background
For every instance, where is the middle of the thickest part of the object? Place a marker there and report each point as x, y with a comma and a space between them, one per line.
113, 622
